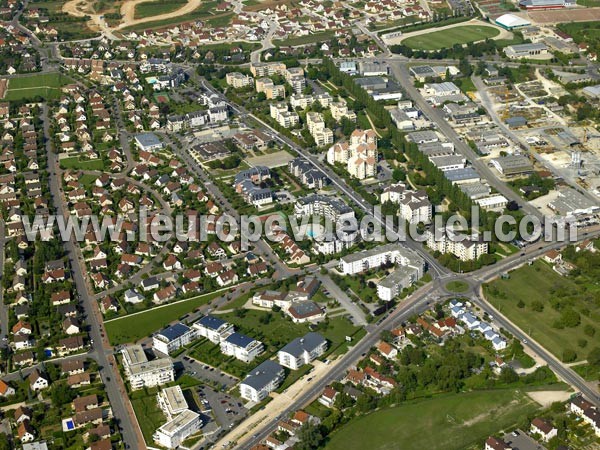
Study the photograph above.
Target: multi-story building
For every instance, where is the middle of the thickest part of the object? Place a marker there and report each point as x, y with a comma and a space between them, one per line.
261, 381
308, 174
340, 109
171, 401
173, 337
267, 69
331, 208
359, 155
241, 347
177, 430
213, 328
468, 248
302, 351
144, 373
414, 206
238, 80
316, 127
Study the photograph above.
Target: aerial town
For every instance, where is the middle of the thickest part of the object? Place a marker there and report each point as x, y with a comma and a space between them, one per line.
300, 224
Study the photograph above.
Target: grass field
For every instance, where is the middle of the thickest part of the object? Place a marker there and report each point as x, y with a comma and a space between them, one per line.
206, 11
76, 163
448, 38
45, 85
150, 417
121, 331
157, 8
308, 39
451, 422
539, 282
457, 286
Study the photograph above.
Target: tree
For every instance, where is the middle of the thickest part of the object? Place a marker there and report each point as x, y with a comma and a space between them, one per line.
594, 357
569, 355
508, 376
589, 330
537, 306
61, 394
310, 437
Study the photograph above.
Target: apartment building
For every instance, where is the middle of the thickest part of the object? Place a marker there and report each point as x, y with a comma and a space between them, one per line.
332, 208
468, 248
213, 328
359, 154
238, 80
144, 373
378, 256
173, 338
302, 351
177, 430
241, 347
414, 206
267, 69
261, 381
171, 401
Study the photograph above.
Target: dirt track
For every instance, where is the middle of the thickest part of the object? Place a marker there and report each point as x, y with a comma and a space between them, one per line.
128, 12
80, 8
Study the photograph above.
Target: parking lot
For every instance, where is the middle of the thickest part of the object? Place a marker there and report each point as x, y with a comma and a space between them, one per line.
224, 408
206, 373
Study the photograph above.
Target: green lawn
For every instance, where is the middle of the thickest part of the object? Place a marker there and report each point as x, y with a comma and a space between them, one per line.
76, 163
539, 283
308, 39
457, 286
449, 422
46, 85
437, 40
148, 414
204, 12
157, 8
121, 331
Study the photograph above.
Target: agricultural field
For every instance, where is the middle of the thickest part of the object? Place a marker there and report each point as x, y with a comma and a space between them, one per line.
437, 40
147, 322
156, 8
46, 85
460, 421
557, 311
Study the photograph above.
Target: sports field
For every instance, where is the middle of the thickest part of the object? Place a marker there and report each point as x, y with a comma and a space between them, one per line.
46, 85
451, 422
448, 38
156, 8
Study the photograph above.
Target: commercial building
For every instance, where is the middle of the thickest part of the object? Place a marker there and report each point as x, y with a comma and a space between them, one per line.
148, 142
545, 4
144, 373
572, 203
444, 89
493, 202
513, 165
511, 22
177, 430
261, 381
213, 328
173, 337
302, 351
526, 50
241, 347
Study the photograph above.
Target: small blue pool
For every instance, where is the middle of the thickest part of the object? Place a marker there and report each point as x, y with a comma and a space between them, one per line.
48, 353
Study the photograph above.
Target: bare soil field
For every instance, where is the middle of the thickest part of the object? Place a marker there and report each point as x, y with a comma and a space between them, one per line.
565, 15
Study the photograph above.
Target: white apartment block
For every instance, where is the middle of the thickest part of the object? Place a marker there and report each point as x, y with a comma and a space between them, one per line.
331, 208
261, 381
339, 110
241, 347
171, 401
323, 137
173, 338
267, 69
447, 241
174, 432
143, 373
302, 351
301, 101
213, 329
314, 121
376, 257
414, 206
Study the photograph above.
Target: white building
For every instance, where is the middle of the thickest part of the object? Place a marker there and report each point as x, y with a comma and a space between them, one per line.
468, 248
143, 373
241, 347
333, 209
171, 401
359, 155
173, 338
213, 328
174, 432
376, 257
302, 351
261, 381
414, 206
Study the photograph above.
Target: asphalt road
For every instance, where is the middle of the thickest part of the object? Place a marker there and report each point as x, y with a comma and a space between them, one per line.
110, 376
